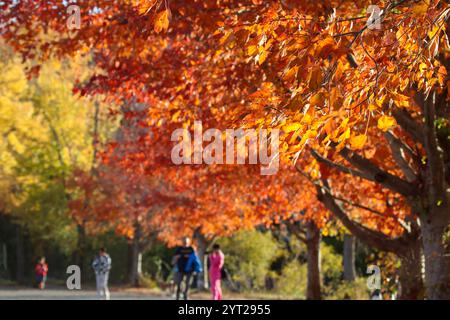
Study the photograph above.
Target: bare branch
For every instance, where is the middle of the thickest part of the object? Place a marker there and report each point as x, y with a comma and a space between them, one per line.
399, 156
376, 174
369, 236
340, 167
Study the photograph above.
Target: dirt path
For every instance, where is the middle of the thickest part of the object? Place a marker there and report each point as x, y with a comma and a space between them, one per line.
60, 293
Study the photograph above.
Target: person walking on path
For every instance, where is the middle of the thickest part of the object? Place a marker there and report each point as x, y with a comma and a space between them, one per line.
41, 271
180, 259
102, 265
216, 261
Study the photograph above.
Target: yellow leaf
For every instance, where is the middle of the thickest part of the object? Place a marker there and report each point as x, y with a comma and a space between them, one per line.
252, 50
162, 21
344, 123
291, 127
385, 123
358, 142
400, 100
262, 56
176, 115
145, 6
373, 107
434, 31
224, 39
345, 135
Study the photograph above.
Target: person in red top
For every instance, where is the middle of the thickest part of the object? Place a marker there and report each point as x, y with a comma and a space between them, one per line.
41, 270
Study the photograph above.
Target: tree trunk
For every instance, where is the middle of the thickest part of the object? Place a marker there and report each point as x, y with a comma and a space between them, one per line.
437, 267
136, 258
407, 247
410, 274
313, 237
4, 257
80, 252
202, 246
349, 257
435, 213
20, 260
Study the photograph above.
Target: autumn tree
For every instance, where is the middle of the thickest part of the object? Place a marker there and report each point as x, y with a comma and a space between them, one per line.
349, 89
43, 143
338, 87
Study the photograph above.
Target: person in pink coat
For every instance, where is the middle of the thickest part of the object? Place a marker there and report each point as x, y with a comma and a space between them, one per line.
216, 260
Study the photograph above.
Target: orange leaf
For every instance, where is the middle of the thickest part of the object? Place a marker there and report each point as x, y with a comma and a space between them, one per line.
385, 123
358, 142
162, 21
145, 6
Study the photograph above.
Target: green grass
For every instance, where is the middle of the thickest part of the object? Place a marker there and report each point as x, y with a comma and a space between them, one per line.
7, 283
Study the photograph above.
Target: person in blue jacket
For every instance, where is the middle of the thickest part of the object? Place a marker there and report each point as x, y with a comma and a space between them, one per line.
187, 262
193, 264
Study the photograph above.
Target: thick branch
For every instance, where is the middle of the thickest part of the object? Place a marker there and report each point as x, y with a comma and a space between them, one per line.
411, 126
435, 164
376, 174
378, 213
369, 171
339, 167
397, 148
296, 230
370, 237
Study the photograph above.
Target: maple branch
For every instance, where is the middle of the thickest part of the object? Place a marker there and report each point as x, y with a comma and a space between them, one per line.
354, 204
351, 19
378, 213
376, 174
435, 164
356, 34
399, 156
406, 121
369, 171
95, 139
296, 230
369, 236
339, 167
405, 148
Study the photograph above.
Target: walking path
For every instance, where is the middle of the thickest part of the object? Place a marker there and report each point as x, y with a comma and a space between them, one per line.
60, 293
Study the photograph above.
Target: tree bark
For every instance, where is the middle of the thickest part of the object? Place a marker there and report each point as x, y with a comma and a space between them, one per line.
410, 274
80, 252
20, 260
136, 258
202, 247
434, 204
349, 257
437, 266
406, 247
313, 237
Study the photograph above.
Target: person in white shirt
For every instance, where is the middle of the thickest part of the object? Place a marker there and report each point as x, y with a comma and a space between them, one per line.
102, 265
